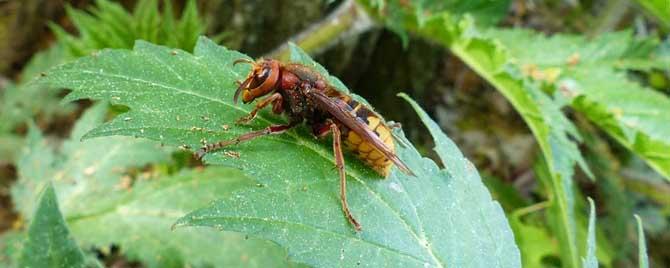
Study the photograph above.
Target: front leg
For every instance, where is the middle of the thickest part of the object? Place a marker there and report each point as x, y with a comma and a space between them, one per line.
271, 130
275, 99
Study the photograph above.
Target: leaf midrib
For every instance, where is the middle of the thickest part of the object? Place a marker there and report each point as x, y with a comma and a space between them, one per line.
317, 229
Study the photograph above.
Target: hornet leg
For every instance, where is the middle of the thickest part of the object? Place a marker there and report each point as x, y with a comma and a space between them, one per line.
339, 161
271, 130
274, 99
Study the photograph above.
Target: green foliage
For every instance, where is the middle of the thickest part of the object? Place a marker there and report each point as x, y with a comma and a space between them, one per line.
11, 245
443, 217
92, 177
615, 213
643, 259
21, 102
398, 13
542, 113
49, 243
528, 236
89, 166
150, 209
508, 196
590, 260
659, 9
614, 82
8, 145
587, 74
590, 74
561, 218
108, 25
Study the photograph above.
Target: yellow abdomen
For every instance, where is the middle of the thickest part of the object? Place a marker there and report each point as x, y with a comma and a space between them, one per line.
366, 151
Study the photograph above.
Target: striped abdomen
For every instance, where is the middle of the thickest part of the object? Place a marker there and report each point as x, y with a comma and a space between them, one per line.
363, 149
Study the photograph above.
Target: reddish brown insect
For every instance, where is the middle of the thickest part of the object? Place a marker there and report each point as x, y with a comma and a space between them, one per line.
303, 95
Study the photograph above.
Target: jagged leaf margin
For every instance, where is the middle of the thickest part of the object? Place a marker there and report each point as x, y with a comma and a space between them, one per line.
183, 99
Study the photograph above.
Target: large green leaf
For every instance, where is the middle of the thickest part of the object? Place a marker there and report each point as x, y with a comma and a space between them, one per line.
96, 189
439, 218
49, 243
590, 74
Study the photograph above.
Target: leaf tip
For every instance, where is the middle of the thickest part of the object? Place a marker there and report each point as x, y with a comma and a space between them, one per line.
402, 95
70, 97
178, 223
407, 98
591, 203
292, 44
48, 190
94, 133
643, 258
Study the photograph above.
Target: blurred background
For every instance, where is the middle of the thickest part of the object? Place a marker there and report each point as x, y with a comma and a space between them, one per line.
373, 62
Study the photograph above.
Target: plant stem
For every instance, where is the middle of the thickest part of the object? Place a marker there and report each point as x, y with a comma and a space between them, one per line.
347, 20
532, 208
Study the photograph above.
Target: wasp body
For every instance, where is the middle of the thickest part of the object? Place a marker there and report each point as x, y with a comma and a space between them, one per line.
305, 96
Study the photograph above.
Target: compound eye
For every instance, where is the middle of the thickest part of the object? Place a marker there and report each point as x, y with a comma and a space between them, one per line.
260, 77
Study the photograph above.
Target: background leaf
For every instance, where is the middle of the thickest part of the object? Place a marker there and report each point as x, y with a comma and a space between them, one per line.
183, 99
81, 171
590, 260
396, 13
590, 74
659, 9
8, 144
49, 243
643, 259
109, 25
530, 236
146, 214
98, 187
21, 102
553, 132
11, 245
586, 74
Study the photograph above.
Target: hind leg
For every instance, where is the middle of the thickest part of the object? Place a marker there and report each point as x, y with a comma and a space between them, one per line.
339, 162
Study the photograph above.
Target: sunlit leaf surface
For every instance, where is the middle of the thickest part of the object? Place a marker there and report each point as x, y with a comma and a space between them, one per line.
105, 204
442, 217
